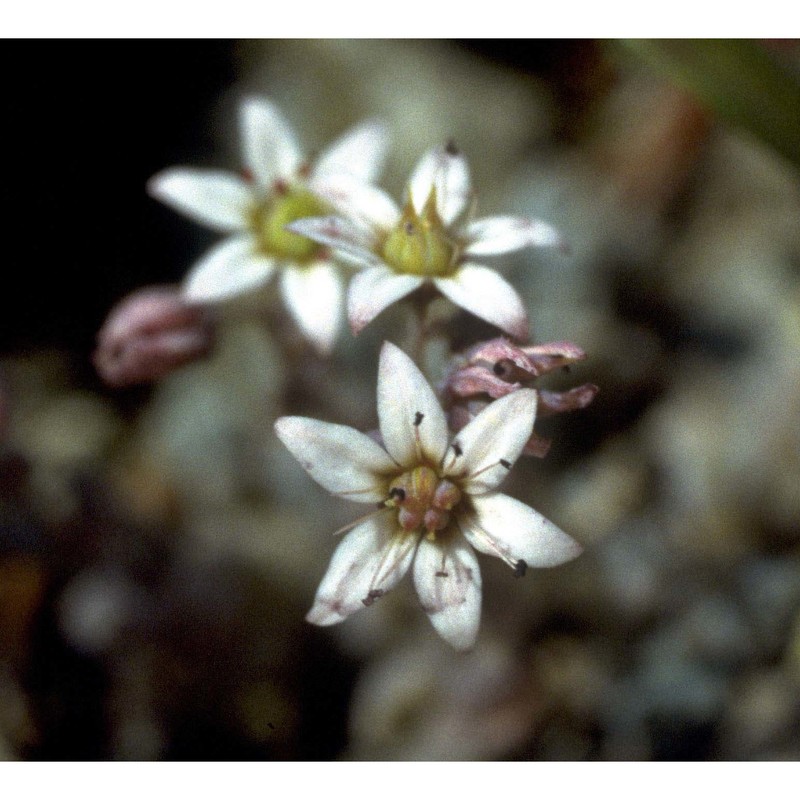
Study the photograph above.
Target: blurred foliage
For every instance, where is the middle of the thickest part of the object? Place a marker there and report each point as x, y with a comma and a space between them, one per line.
742, 80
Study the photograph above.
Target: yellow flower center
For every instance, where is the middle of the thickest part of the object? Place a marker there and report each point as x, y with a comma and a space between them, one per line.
423, 500
419, 244
284, 205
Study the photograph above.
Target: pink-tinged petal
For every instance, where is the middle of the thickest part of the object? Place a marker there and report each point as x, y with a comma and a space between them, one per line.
413, 424
373, 290
538, 446
448, 581
501, 351
570, 400
483, 292
502, 526
486, 449
314, 295
342, 460
343, 236
269, 145
447, 170
361, 152
218, 200
476, 379
229, 268
368, 562
370, 206
496, 235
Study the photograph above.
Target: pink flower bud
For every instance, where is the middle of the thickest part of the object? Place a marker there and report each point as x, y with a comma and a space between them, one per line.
150, 333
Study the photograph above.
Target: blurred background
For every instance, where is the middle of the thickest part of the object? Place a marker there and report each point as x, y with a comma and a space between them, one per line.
159, 548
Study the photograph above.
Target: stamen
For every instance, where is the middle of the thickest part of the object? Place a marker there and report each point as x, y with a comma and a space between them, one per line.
418, 417
348, 492
479, 530
458, 452
521, 568
364, 518
501, 463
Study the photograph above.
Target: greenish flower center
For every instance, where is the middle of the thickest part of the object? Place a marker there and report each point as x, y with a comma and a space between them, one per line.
285, 205
419, 244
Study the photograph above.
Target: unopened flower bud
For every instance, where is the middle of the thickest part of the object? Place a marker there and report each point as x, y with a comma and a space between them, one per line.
150, 333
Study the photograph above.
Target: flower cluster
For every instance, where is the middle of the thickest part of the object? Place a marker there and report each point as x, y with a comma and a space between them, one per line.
435, 466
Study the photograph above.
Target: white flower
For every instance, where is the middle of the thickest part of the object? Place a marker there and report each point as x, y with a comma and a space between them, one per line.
278, 186
431, 239
436, 498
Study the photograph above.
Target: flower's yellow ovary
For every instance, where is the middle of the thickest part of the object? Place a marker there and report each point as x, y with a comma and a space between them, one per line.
419, 244
269, 218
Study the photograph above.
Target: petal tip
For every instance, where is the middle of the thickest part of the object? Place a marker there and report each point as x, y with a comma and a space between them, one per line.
323, 615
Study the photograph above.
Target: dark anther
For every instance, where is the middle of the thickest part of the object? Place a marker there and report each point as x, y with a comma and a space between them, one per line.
372, 596
409, 228
520, 568
442, 574
451, 148
503, 368
397, 493
418, 417
457, 449
506, 464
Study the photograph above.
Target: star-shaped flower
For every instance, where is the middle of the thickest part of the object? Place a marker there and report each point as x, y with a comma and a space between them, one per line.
277, 187
431, 239
436, 499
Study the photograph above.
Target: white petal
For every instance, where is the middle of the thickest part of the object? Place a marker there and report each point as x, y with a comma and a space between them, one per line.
448, 582
342, 235
373, 290
361, 152
269, 144
413, 425
483, 292
502, 526
229, 268
219, 200
352, 198
368, 562
495, 235
343, 460
486, 448
448, 171
314, 295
